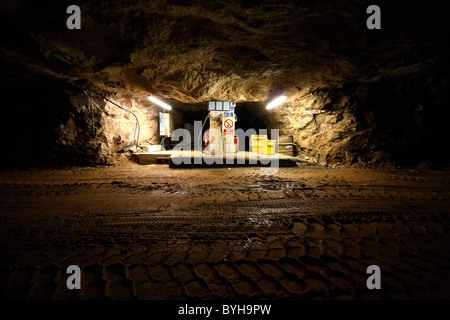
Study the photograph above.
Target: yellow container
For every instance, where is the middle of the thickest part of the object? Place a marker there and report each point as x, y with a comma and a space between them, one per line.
258, 143
261, 144
271, 144
255, 138
264, 146
259, 147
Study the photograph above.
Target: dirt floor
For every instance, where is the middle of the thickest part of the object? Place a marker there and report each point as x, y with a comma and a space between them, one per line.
151, 232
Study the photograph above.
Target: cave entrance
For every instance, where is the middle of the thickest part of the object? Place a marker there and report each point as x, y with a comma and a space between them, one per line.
251, 115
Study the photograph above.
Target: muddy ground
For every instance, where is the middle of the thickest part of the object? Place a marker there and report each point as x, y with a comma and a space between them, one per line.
151, 232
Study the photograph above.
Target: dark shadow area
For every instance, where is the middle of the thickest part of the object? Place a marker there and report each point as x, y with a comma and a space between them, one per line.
250, 116
33, 109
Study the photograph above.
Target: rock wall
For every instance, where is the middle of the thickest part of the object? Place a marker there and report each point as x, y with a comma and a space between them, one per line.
355, 96
101, 132
50, 124
395, 118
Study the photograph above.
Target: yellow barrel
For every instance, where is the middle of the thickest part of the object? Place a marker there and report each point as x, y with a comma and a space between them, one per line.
271, 144
258, 143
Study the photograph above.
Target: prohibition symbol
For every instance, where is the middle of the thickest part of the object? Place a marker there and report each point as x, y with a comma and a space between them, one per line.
228, 123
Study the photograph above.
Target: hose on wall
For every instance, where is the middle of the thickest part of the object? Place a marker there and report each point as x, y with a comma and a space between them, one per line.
137, 129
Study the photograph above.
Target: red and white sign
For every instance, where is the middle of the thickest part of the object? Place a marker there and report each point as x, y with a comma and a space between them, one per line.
227, 131
228, 124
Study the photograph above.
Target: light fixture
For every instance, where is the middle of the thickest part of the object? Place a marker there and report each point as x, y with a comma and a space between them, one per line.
275, 102
160, 103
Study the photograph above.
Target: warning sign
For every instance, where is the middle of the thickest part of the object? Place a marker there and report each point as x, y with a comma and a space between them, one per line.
228, 124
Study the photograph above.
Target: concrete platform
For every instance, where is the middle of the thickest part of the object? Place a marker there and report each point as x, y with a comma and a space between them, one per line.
153, 157
197, 159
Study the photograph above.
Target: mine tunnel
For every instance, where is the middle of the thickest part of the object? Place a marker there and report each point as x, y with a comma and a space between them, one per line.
95, 95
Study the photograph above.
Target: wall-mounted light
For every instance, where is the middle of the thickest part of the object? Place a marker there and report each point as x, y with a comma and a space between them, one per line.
160, 103
275, 102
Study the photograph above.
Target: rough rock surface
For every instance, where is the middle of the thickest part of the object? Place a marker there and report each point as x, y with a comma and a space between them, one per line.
354, 95
111, 128
395, 118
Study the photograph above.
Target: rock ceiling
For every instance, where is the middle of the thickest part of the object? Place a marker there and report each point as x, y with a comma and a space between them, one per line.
193, 51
